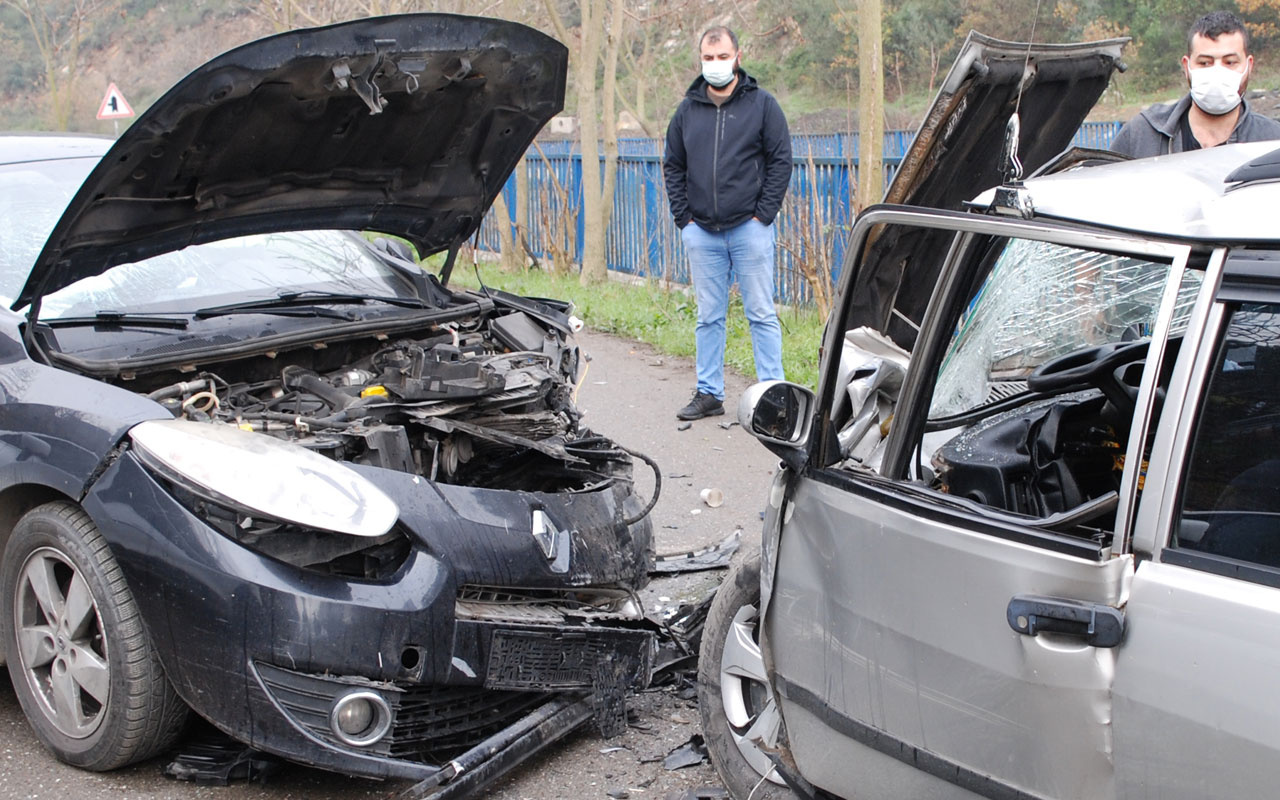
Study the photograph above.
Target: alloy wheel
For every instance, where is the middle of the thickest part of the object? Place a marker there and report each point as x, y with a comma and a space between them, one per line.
61, 647
749, 703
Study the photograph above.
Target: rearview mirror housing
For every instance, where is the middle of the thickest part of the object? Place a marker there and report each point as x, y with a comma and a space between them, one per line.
780, 415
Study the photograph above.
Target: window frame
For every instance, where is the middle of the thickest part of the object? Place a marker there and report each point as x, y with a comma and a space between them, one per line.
957, 274
1176, 439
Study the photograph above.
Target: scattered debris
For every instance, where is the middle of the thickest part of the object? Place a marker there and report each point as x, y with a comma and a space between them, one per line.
607, 750
696, 511
689, 754
729, 424
208, 757
684, 426
680, 637
618, 794
675, 475
715, 556
699, 793
713, 497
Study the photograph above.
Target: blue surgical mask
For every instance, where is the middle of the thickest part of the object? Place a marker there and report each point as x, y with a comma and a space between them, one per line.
718, 73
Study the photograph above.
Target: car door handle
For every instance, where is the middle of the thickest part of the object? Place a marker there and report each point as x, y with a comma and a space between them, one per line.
1098, 625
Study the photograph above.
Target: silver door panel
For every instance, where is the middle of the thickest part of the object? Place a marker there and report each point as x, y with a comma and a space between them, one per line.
1198, 687
898, 622
875, 774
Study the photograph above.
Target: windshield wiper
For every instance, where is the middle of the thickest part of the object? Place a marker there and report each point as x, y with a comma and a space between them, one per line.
117, 318
306, 304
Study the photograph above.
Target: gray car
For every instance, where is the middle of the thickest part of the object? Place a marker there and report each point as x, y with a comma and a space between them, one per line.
1025, 541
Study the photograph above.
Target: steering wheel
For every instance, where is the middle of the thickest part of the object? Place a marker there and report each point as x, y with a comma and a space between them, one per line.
1092, 367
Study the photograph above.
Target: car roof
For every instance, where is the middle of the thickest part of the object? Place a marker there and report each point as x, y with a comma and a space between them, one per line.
1189, 195
17, 148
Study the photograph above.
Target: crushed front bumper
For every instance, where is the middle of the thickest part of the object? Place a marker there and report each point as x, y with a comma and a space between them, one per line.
264, 651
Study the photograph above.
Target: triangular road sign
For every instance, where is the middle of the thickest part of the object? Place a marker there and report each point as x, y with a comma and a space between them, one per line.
114, 106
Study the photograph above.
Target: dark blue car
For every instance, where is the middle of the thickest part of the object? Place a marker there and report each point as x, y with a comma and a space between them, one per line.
259, 467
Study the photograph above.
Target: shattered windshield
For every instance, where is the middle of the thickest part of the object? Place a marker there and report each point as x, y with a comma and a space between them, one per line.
1043, 300
34, 195
246, 268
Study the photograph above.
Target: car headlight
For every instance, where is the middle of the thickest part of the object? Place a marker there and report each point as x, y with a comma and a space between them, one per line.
264, 476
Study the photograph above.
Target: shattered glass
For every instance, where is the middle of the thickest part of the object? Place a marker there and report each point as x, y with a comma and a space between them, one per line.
1043, 300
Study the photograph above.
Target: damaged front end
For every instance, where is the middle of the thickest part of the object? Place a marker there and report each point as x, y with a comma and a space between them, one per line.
500, 589
484, 402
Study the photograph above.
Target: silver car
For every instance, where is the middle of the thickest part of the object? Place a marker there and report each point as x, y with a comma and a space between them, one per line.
1025, 541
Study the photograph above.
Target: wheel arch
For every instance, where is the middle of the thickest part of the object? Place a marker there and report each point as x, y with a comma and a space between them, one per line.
17, 500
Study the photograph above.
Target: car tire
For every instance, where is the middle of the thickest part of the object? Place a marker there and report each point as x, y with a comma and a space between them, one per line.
735, 700
82, 665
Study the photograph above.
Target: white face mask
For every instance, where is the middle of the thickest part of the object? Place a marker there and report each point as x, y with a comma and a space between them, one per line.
718, 73
1216, 89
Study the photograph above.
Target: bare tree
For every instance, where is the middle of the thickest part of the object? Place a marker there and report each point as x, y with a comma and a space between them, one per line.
613, 42
870, 103
58, 28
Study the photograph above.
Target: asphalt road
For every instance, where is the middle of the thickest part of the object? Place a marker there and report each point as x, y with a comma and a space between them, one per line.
630, 394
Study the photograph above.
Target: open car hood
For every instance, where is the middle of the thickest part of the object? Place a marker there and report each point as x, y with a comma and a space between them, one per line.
407, 125
959, 151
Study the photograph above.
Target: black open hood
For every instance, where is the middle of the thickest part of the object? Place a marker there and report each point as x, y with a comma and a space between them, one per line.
959, 151
407, 125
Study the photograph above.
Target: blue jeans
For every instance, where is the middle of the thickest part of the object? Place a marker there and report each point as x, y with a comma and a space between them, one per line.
715, 258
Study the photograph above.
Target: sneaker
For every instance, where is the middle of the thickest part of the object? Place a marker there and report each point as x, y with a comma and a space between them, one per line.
702, 405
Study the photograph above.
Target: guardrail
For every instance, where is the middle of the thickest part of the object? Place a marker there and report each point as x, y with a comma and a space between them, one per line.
642, 241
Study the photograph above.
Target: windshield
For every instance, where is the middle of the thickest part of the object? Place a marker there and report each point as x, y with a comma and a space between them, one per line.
256, 267
1042, 300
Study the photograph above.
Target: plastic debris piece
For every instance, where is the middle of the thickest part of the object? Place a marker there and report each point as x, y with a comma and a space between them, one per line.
209, 757
618, 794
714, 556
713, 497
684, 426
689, 754
699, 793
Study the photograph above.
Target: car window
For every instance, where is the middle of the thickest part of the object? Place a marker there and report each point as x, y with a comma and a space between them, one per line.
32, 199
34, 195
1037, 387
1231, 492
1042, 300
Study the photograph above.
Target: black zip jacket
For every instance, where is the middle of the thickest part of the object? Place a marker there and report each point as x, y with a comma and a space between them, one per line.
726, 164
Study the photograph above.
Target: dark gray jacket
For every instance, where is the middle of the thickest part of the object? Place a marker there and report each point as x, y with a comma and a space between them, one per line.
726, 164
1156, 130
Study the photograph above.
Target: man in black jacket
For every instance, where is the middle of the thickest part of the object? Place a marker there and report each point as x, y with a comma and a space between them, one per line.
727, 167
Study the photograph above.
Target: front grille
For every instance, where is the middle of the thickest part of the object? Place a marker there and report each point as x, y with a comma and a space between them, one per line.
431, 724
438, 723
545, 606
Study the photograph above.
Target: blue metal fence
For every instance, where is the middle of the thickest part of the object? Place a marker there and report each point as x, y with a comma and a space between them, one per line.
641, 240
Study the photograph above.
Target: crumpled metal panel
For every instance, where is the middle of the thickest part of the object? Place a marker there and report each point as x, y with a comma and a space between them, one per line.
872, 369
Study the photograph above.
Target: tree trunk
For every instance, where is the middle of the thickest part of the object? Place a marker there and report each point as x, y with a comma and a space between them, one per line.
611, 115
593, 253
508, 248
870, 104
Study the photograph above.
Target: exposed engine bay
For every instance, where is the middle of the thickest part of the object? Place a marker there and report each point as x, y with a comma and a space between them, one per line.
484, 402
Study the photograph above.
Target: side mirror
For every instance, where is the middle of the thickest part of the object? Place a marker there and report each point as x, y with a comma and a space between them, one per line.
780, 415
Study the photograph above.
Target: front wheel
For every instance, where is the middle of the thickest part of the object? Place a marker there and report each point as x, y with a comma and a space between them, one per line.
80, 660
735, 699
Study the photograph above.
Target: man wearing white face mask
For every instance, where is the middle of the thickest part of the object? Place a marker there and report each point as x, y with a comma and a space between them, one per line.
1217, 67
727, 167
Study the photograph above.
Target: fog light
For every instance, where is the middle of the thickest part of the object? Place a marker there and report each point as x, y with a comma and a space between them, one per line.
360, 718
